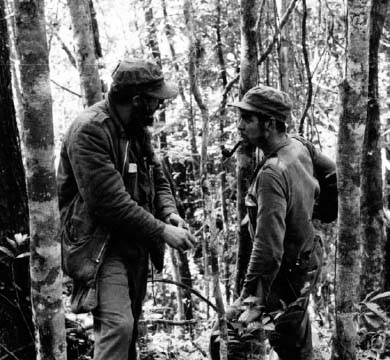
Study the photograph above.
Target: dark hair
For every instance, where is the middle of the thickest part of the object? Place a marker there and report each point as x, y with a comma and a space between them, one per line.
280, 125
121, 94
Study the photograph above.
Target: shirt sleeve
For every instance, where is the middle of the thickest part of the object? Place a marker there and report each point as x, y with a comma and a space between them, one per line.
267, 251
101, 185
164, 201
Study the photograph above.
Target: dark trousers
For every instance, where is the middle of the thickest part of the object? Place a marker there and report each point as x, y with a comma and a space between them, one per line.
121, 289
293, 285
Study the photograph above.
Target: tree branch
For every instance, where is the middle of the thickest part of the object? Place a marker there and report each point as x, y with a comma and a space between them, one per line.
195, 292
307, 67
64, 88
283, 22
169, 322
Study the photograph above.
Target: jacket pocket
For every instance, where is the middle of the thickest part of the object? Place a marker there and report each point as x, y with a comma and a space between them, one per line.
81, 260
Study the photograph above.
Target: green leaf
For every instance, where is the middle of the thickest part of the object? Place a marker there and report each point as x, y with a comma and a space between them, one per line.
269, 327
372, 321
23, 255
21, 238
13, 243
370, 294
249, 315
266, 319
254, 325
382, 296
375, 308
251, 300
6, 251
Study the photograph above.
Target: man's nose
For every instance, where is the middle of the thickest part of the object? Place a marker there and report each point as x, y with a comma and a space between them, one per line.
240, 125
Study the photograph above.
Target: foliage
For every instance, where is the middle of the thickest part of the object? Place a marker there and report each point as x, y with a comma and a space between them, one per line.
15, 248
373, 319
123, 32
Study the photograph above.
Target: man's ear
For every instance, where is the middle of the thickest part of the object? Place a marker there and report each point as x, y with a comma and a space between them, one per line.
136, 100
269, 124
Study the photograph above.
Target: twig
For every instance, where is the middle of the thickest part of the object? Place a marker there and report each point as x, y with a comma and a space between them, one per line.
195, 292
197, 347
10, 353
169, 322
307, 67
283, 22
18, 350
18, 302
64, 88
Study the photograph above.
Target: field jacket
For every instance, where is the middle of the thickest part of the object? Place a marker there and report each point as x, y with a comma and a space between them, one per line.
280, 204
109, 194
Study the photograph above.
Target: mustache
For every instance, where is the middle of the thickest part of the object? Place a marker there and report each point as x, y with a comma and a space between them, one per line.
229, 153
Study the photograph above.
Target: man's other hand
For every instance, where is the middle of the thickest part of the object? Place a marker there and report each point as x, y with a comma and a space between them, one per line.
176, 220
178, 238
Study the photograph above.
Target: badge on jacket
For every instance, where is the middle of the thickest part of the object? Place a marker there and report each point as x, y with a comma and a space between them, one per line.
132, 168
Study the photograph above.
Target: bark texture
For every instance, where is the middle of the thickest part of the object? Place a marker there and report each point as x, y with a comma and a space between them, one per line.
353, 92
84, 43
15, 310
45, 259
208, 203
372, 195
245, 155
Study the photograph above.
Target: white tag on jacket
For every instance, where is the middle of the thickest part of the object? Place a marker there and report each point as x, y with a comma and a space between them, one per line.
132, 168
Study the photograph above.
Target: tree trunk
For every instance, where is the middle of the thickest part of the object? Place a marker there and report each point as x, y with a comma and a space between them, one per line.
350, 143
95, 31
91, 88
284, 52
373, 235
208, 204
245, 157
45, 258
180, 259
16, 327
222, 167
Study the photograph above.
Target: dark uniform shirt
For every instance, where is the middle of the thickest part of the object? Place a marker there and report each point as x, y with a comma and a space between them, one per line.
280, 204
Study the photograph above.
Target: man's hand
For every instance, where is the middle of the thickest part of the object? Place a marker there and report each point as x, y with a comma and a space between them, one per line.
176, 220
178, 238
234, 311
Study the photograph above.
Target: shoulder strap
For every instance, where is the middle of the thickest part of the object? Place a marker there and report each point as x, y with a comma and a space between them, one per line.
264, 159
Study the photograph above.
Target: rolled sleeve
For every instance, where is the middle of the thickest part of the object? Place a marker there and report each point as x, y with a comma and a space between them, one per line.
267, 251
101, 185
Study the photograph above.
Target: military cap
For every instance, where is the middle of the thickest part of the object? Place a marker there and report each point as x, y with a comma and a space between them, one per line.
266, 100
145, 75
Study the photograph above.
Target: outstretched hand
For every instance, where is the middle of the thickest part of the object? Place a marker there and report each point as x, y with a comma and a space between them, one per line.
176, 220
178, 238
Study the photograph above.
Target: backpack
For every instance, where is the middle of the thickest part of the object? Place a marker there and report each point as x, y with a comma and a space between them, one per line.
326, 204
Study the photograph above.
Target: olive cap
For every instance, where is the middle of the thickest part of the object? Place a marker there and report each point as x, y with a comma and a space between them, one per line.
145, 75
266, 100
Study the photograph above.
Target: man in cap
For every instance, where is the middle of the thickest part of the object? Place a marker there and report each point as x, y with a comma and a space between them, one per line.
286, 256
116, 206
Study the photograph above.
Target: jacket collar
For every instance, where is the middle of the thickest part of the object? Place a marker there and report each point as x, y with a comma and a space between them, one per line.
277, 147
115, 118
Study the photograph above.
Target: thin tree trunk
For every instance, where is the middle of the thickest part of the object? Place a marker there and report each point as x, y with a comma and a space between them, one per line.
176, 277
373, 234
246, 158
16, 327
350, 143
245, 155
222, 167
95, 31
192, 72
284, 53
205, 184
91, 88
180, 259
45, 258
169, 32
